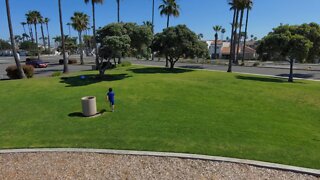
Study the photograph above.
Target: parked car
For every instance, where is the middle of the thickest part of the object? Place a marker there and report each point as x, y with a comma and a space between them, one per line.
37, 63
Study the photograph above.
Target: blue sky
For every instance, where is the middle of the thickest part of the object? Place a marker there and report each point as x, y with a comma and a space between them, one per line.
199, 15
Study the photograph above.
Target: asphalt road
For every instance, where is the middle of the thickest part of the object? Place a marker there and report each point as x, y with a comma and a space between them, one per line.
274, 70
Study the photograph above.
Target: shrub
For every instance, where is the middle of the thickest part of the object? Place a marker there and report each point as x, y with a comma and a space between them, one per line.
256, 64
56, 74
72, 61
12, 71
125, 64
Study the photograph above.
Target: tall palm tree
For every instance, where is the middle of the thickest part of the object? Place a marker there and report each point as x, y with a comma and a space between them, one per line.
80, 22
152, 16
16, 59
223, 30
169, 8
69, 26
248, 6
216, 29
29, 23
65, 62
46, 21
93, 2
41, 21
23, 25
118, 10
241, 8
234, 7
34, 17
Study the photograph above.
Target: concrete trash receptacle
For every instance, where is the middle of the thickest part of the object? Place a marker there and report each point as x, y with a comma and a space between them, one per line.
89, 107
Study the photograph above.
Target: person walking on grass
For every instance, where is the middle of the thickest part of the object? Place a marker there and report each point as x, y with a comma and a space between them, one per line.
110, 98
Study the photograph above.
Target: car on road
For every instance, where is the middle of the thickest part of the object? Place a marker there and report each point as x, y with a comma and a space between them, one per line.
37, 63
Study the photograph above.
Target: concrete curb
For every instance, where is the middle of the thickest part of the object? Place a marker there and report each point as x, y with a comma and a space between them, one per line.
263, 75
314, 172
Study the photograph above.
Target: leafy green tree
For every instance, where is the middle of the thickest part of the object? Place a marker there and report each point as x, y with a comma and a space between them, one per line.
4, 45
114, 43
179, 42
93, 2
80, 21
34, 17
216, 29
297, 50
283, 44
28, 46
169, 8
19, 67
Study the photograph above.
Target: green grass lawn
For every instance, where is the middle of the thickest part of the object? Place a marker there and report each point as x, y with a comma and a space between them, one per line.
201, 112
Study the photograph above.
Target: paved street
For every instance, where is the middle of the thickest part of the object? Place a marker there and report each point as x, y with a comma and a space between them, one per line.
274, 70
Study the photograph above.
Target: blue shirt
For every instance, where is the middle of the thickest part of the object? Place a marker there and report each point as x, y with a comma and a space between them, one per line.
110, 96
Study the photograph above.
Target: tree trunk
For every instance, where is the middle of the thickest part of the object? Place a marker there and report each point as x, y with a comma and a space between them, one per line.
16, 59
65, 61
172, 64
291, 71
49, 47
231, 42
152, 55
167, 62
36, 33
80, 47
94, 34
235, 37
118, 2
215, 45
168, 20
239, 36
24, 29
43, 40
245, 36
31, 33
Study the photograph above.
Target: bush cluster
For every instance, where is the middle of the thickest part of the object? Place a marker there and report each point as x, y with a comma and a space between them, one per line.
12, 71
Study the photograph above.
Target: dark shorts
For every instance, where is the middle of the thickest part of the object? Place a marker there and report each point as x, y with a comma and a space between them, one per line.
112, 102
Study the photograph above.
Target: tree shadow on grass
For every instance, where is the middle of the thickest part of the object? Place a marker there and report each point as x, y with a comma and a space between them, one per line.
79, 114
262, 79
297, 75
84, 80
192, 67
159, 70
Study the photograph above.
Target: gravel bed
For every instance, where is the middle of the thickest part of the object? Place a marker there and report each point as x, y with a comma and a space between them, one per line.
106, 166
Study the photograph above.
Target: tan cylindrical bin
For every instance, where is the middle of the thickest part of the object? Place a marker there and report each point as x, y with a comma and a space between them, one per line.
89, 107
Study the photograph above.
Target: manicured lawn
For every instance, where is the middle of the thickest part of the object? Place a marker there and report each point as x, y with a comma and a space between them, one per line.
199, 112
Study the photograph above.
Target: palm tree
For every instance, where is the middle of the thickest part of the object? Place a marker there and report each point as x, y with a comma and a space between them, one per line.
46, 21
169, 8
233, 4
25, 36
29, 23
80, 22
248, 6
223, 30
216, 29
23, 24
41, 21
65, 62
241, 7
20, 71
93, 2
69, 26
118, 10
34, 17
152, 16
